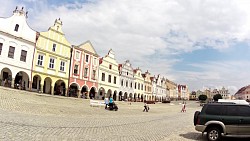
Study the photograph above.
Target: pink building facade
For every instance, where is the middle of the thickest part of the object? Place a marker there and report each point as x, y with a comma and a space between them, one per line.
83, 80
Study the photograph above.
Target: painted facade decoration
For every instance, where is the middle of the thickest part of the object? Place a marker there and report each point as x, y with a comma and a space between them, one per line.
17, 44
108, 81
127, 84
139, 85
84, 71
148, 88
51, 61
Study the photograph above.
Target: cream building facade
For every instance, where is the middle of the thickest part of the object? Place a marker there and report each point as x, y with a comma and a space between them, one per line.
108, 81
148, 88
51, 61
139, 84
172, 91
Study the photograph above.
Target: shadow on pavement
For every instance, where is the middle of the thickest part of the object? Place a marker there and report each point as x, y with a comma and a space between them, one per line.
199, 137
194, 136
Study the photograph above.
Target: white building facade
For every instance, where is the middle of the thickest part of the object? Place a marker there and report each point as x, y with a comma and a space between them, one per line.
127, 84
17, 45
161, 91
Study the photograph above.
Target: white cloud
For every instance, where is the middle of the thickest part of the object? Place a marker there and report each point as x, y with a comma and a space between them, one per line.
231, 74
150, 32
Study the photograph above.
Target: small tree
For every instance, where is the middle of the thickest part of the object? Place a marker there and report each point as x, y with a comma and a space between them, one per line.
202, 98
217, 97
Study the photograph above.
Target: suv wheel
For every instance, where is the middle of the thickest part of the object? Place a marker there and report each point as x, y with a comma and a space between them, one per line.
213, 134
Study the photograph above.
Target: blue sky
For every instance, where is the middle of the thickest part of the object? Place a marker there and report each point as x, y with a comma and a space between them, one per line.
203, 44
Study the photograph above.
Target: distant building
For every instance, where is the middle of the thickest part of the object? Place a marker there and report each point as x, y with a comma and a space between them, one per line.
210, 93
198, 93
243, 93
172, 91
147, 86
183, 92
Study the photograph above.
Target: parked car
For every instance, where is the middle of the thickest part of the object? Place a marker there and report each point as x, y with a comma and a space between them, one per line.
223, 119
149, 102
166, 101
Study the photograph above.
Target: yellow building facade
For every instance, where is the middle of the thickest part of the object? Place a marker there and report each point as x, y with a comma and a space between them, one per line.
50, 73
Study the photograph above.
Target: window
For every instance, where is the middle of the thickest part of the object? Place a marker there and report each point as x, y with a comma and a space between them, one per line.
114, 79
109, 80
103, 76
244, 111
76, 69
16, 27
214, 109
131, 85
77, 55
54, 47
1, 46
23, 55
40, 60
126, 83
127, 73
11, 52
93, 74
62, 65
122, 82
87, 58
110, 67
138, 86
86, 72
135, 85
51, 63
141, 86
231, 110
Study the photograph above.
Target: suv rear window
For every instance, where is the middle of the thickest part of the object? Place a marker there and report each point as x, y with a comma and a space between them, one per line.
213, 109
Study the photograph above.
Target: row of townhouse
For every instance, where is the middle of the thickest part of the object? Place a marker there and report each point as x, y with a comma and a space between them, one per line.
46, 62
210, 93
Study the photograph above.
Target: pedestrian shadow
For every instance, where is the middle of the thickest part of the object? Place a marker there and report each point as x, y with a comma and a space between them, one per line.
194, 136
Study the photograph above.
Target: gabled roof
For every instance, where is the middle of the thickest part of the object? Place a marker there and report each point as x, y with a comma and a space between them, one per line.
88, 47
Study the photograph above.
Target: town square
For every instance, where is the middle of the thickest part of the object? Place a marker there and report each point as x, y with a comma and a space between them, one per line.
32, 116
97, 70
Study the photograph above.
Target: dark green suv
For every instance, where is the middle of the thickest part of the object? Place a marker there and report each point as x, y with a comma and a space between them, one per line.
223, 119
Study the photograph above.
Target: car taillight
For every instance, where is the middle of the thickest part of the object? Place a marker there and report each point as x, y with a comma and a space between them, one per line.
198, 121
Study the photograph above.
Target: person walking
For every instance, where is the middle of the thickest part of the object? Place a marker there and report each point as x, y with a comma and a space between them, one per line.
106, 100
183, 109
146, 108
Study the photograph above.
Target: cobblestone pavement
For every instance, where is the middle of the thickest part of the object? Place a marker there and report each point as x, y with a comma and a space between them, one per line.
32, 116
